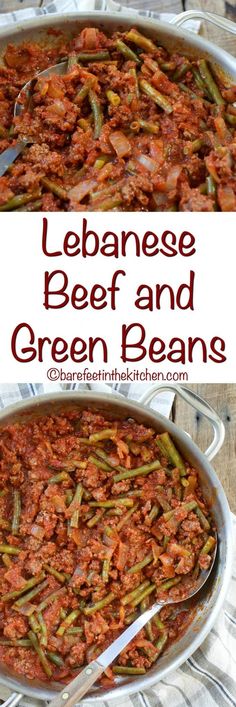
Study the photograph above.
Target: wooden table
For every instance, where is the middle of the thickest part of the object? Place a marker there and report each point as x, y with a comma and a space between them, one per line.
223, 399
222, 7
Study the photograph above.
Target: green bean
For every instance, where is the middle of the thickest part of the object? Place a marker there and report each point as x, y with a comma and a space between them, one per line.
140, 471
63, 614
199, 81
148, 627
210, 82
139, 565
54, 188
211, 185
4, 524
113, 98
195, 146
58, 575
42, 657
58, 478
20, 642
128, 598
50, 598
149, 127
127, 670
181, 71
43, 629
98, 118
231, 119
185, 507
3, 493
127, 502
104, 434
131, 617
161, 642
6, 561
88, 610
84, 91
105, 570
100, 453
95, 519
159, 623
167, 585
67, 622
10, 549
144, 594
74, 521
74, 630
32, 206
108, 204
152, 515
16, 512
189, 91
30, 595
202, 518
117, 511
93, 56
72, 61
156, 96
127, 52
143, 42
172, 453
99, 464
18, 200
126, 517
165, 541
84, 440
55, 659
69, 497
209, 545
162, 499
34, 624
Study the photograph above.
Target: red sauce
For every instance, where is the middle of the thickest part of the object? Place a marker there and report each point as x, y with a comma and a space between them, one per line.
104, 141
55, 477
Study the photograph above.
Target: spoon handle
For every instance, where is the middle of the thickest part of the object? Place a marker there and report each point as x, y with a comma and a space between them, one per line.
75, 690
10, 154
72, 693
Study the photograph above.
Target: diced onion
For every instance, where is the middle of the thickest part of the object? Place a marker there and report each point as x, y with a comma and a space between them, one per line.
82, 189
120, 143
147, 162
37, 531
58, 107
173, 176
90, 38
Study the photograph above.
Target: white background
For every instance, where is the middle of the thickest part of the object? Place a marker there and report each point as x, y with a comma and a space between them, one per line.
22, 282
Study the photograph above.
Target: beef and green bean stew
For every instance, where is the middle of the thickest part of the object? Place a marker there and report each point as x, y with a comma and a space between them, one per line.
128, 127
98, 519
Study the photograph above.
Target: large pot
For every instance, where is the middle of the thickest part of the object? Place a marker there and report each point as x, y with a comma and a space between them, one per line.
169, 36
213, 594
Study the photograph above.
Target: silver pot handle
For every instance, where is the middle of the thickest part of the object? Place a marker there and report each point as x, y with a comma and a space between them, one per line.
13, 700
212, 17
198, 404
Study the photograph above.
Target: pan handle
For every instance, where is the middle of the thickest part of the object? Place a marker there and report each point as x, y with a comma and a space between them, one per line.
13, 700
212, 17
198, 404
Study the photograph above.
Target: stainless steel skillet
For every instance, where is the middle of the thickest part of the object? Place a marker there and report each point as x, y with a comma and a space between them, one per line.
213, 595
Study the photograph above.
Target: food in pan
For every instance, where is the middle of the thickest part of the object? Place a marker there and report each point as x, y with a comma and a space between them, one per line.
98, 519
129, 126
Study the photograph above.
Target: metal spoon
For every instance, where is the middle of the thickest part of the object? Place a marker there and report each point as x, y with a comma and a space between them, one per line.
11, 153
77, 688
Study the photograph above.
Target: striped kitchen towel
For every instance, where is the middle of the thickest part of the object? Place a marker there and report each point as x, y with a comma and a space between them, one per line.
26, 9
208, 677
